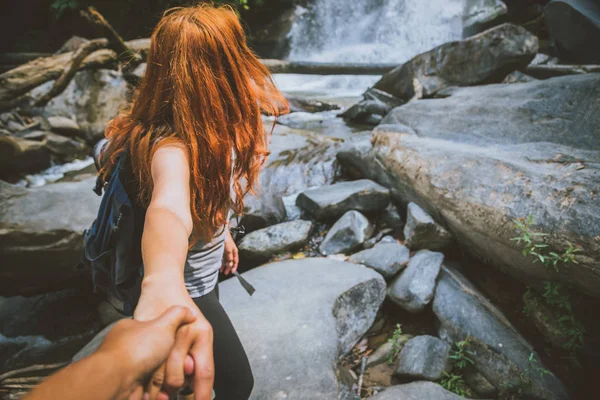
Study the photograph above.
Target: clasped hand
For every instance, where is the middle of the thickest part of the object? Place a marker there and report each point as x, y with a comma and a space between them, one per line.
192, 351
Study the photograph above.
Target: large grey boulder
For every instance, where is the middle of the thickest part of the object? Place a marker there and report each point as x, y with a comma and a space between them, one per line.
293, 346
422, 232
484, 58
91, 99
414, 288
348, 233
486, 156
424, 357
304, 316
263, 244
481, 14
41, 233
499, 353
574, 25
416, 391
334, 200
386, 258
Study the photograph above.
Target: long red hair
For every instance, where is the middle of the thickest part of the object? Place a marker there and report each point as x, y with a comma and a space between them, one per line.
203, 88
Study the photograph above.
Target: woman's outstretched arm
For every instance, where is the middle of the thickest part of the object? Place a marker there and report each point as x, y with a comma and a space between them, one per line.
168, 223
167, 228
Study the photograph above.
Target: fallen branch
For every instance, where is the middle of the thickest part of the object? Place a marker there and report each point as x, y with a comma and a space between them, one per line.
63, 81
16, 381
20, 80
116, 42
313, 68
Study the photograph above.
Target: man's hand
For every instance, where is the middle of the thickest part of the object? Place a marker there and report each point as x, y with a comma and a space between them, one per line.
193, 350
128, 356
230, 257
142, 346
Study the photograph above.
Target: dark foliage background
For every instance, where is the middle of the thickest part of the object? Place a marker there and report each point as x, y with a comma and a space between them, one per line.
44, 25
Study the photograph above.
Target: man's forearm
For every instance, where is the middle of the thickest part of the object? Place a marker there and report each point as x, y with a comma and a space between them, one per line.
96, 377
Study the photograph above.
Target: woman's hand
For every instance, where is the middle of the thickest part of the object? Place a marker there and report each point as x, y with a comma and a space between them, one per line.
190, 354
230, 256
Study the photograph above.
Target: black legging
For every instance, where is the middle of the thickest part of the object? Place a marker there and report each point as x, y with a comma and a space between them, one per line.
233, 375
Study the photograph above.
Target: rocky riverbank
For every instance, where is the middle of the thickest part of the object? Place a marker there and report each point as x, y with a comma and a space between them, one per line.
440, 238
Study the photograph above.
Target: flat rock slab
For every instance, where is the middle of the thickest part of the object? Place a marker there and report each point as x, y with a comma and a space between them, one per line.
424, 357
304, 315
386, 258
422, 232
348, 233
499, 352
414, 288
261, 245
416, 391
41, 232
334, 200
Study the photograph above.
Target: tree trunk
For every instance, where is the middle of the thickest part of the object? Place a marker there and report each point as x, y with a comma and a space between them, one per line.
312, 68
63, 80
18, 81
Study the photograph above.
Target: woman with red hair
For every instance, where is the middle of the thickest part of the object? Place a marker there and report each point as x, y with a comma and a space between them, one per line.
194, 135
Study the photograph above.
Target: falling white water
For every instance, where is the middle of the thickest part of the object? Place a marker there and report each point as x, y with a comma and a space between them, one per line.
367, 31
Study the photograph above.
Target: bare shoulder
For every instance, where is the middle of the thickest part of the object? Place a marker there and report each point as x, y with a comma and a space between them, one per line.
170, 160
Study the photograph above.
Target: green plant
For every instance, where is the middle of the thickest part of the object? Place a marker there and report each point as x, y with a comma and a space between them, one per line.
557, 296
540, 370
58, 7
395, 340
455, 383
460, 354
534, 245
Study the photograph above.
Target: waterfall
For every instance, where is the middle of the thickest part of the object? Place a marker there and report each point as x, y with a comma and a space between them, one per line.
368, 31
